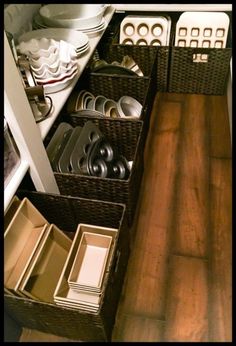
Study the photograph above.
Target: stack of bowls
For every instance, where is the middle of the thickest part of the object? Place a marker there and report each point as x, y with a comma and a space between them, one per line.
53, 63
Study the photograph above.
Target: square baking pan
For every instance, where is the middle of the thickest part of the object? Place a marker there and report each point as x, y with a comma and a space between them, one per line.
90, 261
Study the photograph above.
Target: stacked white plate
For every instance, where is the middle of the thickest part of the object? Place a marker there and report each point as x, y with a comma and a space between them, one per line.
77, 38
53, 63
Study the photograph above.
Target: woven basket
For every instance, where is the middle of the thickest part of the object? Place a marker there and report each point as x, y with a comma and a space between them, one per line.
160, 64
210, 77
110, 45
126, 137
116, 86
66, 212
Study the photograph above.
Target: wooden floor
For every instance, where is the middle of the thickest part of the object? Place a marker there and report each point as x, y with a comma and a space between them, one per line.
178, 285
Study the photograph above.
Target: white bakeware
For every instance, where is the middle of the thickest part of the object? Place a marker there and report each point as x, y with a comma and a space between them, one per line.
77, 38
145, 30
60, 85
48, 73
54, 78
77, 16
202, 29
38, 47
54, 71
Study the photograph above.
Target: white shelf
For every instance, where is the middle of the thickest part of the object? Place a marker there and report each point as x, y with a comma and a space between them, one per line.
59, 98
14, 182
173, 7
27, 134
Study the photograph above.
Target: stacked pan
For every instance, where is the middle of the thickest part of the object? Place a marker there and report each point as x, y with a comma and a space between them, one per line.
84, 150
85, 103
81, 284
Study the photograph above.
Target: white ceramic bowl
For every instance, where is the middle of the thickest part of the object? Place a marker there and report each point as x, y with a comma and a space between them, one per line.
57, 86
56, 78
52, 59
48, 73
38, 47
78, 16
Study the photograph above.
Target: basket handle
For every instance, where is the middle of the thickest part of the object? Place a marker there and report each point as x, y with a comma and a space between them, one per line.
199, 55
116, 261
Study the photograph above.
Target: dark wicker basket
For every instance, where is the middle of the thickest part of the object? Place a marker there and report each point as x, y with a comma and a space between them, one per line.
67, 212
126, 137
144, 56
110, 45
160, 65
116, 86
209, 77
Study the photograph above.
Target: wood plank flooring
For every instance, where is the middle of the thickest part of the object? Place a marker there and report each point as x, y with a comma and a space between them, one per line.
178, 285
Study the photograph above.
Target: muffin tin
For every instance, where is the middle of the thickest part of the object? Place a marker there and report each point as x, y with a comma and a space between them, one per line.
145, 30
202, 30
85, 150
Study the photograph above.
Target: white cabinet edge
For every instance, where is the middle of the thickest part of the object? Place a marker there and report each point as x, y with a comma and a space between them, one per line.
229, 99
173, 7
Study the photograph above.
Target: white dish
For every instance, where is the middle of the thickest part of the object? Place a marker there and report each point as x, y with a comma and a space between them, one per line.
56, 77
83, 50
93, 32
77, 38
53, 58
39, 69
48, 73
72, 15
55, 87
38, 47
95, 28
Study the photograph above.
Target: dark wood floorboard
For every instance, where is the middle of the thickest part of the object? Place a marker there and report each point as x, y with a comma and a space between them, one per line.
138, 328
187, 304
220, 269
192, 195
220, 145
178, 284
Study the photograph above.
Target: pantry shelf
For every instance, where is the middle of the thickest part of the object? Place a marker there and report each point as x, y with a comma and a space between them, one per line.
59, 98
15, 181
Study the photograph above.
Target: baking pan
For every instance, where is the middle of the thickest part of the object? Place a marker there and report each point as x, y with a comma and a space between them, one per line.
42, 277
90, 261
64, 163
63, 293
21, 239
11, 210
